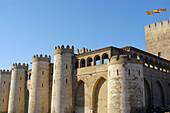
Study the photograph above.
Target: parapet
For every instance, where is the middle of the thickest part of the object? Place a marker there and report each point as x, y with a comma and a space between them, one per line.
61, 50
122, 59
20, 66
5, 71
83, 50
41, 58
158, 25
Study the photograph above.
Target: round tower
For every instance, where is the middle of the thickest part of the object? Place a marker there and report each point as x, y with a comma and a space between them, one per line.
62, 80
125, 85
5, 77
17, 89
39, 91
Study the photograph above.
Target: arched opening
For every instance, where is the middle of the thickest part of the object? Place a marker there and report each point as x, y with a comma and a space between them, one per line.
97, 60
156, 64
146, 62
160, 66
147, 95
89, 61
26, 101
151, 63
158, 95
76, 65
100, 96
82, 63
29, 77
79, 106
105, 58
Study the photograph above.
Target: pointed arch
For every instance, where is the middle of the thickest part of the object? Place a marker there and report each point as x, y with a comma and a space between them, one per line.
147, 95
158, 95
79, 97
99, 96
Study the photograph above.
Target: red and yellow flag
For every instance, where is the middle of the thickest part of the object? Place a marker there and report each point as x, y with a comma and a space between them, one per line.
164, 10
149, 12
156, 11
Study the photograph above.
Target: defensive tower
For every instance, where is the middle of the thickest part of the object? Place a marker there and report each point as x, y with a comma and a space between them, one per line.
62, 80
17, 89
39, 91
157, 36
5, 77
125, 85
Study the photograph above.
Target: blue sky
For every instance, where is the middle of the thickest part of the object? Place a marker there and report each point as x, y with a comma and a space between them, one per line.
37, 26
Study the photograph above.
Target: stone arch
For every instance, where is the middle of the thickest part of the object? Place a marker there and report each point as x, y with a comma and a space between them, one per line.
105, 57
27, 100
82, 62
89, 61
99, 96
97, 60
79, 97
158, 95
147, 95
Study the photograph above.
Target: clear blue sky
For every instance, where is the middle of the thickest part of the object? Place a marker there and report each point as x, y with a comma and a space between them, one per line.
37, 26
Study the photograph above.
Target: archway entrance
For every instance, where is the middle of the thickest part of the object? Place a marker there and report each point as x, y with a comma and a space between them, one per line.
80, 98
100, 96
147, 96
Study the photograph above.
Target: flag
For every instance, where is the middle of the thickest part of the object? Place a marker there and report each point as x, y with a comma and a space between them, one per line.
164, 10
149, 12
156, 11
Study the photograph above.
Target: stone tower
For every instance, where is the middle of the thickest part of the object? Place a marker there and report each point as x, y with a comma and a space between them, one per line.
125, 85
17, 89
39, 91
62, 80
157, 36
5, 78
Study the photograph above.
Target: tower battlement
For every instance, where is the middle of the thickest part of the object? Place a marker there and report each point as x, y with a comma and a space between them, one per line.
83, 50
158, 25
124, 59
41, 58
19, 65
5, 71
62, 49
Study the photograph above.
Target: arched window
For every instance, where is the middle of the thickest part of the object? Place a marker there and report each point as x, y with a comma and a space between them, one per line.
29, 76
89, 61
105, 58
76, 64
82, 63
97, 60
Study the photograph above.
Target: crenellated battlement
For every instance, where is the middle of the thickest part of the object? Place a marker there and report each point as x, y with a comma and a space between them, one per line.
41, 58
19, 65
83, 50
5, 71
158, 25
124, 59
62, 49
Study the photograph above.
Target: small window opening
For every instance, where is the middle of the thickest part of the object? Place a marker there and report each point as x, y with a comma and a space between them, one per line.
20, 78
82, 63
117, 72
4, 82
3, 100
42, 84
66, 81
159, 54
139, 72
76, 65
66, 66
29, 76
42, 72
129, 71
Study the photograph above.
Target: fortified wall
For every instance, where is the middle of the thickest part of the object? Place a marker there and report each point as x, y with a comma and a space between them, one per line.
106, 80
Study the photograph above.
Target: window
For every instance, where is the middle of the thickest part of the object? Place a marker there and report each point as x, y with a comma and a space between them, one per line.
159, 54
117, 72
66, 66
139, 72
3, 100
20, 78
4, 82
42, 84
42, 72
129, 71
66, 81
